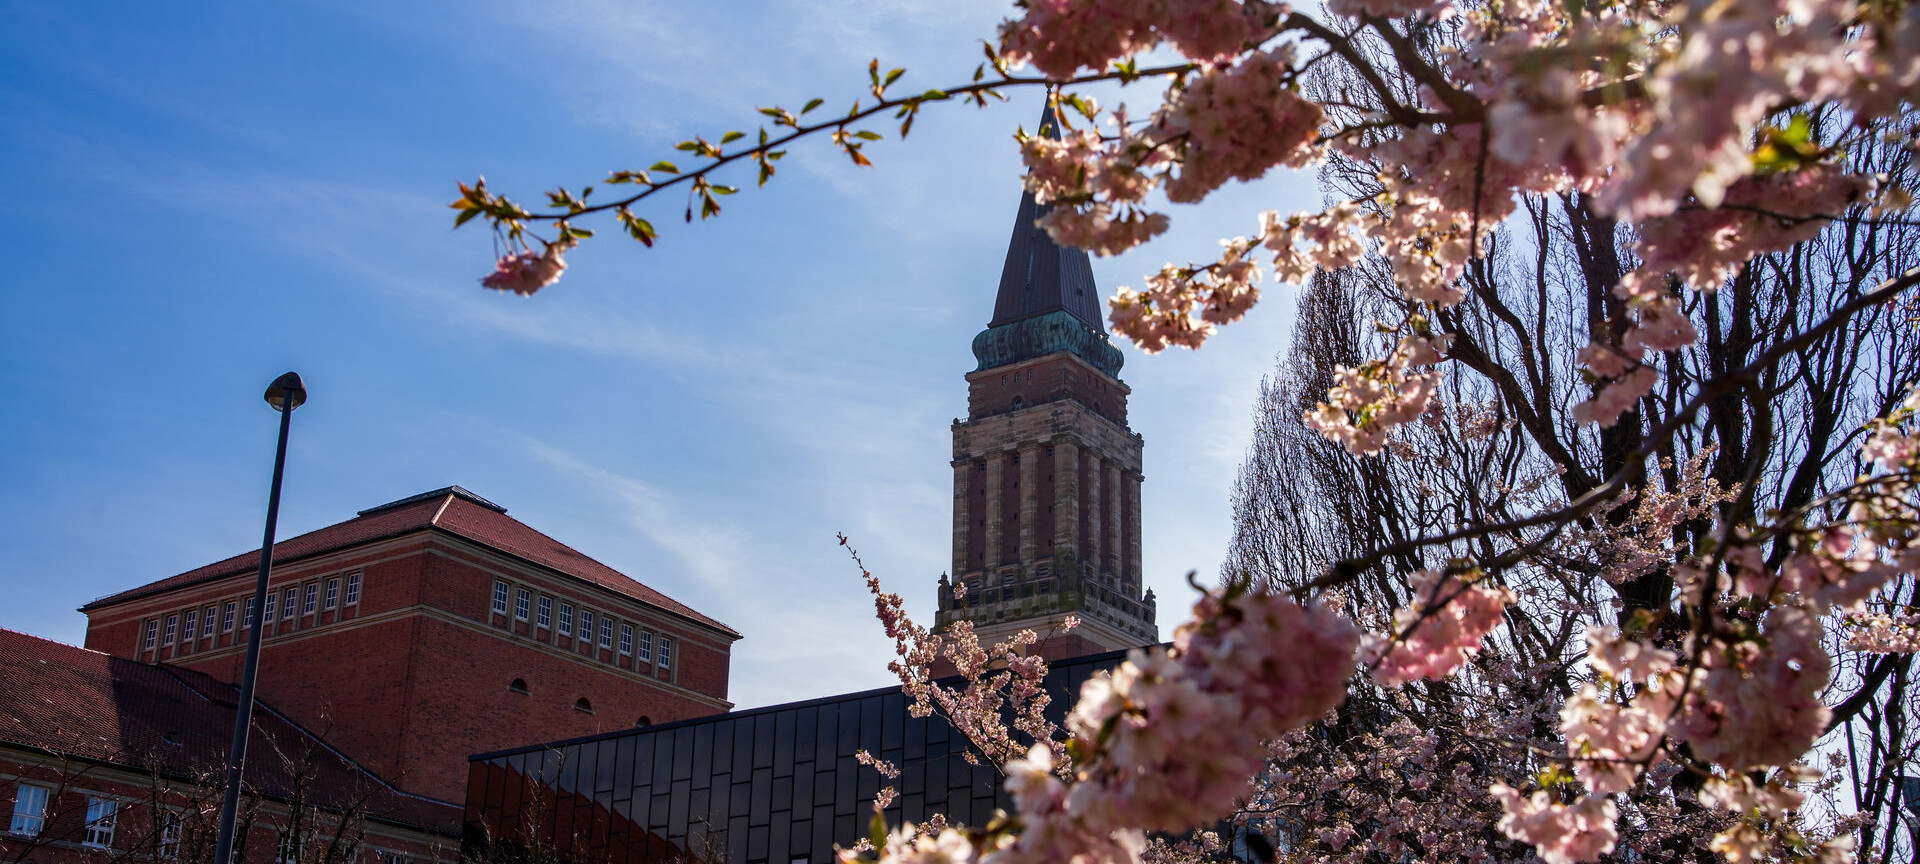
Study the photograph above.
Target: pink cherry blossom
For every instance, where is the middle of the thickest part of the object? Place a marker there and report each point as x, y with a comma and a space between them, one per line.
524, 272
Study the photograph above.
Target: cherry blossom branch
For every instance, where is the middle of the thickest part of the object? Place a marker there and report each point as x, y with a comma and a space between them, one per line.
507, 216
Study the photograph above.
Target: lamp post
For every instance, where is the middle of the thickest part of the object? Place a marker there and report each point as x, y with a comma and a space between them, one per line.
284, 394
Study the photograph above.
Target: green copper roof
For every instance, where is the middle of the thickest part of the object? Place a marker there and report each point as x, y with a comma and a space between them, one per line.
1044, 334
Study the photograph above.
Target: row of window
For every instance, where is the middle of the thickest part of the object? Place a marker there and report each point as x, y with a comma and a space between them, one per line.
30, 815
295, 601
642, 645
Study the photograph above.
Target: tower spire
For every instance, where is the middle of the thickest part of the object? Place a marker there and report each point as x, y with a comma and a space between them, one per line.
1047, 300
1040, 275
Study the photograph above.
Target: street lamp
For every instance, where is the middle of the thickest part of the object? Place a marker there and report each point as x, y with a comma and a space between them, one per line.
284, 394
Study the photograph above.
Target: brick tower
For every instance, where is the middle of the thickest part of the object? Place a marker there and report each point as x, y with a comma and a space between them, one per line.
1046, 474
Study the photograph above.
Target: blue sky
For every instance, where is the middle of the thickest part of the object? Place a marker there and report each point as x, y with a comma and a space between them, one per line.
205, 195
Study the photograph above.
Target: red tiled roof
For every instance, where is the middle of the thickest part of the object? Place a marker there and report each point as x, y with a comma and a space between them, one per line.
94, 706
454, 510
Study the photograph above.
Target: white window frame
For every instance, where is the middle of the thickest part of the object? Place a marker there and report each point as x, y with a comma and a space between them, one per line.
29, 809
333, 594
288, 598
310, 598
267, 607
353, 590
586, 625
168, 847
606, 631
666, 653
626, 639
566, 619
173, 629
226, 616
499, 597
153, 635
98, 831
646, 646
206, 619
522, 604
247, 618
191, 620
544, 613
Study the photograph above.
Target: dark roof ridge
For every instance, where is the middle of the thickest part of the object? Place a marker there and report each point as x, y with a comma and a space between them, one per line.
456, 491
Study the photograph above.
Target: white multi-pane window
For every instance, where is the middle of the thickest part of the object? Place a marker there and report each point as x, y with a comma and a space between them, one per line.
99, 830
246, 621
545, 613
173, 628
206, 622
266, 608
499, 598
169, 848
353, 588
29, 809
522, 603
626, 639
586, 626
646, 647
226, 618
666, 651
288, 849
153, 632
186, 633
566, 619
312, 598
287, 602
606, 631
333, 594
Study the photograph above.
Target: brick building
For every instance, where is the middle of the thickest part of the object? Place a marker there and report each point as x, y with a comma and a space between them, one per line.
428, 629
104, 758
1046, 473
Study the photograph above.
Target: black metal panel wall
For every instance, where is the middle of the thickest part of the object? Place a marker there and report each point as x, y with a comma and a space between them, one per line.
774, 785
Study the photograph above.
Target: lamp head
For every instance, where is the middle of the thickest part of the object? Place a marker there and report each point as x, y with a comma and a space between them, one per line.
286, 392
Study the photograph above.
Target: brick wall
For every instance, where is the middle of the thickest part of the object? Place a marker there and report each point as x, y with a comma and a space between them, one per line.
414, 677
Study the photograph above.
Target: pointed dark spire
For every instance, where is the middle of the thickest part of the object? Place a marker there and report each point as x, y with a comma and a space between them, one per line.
1040, 275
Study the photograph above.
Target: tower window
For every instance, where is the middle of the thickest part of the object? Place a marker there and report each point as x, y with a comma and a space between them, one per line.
1018, 403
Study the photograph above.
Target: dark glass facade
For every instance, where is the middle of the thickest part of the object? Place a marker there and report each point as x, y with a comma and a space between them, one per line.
774, 785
